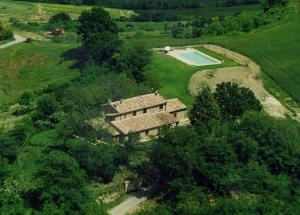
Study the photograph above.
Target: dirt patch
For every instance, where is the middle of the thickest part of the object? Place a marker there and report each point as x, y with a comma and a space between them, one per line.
33, 36
248, 75
40, 10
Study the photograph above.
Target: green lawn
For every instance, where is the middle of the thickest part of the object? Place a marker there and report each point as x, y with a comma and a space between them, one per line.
40, 12
173, 75
30, 66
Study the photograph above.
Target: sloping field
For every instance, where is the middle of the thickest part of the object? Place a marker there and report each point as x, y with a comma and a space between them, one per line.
276, 48
31, 66
40, 12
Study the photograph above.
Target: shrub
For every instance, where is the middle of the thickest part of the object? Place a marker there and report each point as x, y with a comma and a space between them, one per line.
5, 32
60, 20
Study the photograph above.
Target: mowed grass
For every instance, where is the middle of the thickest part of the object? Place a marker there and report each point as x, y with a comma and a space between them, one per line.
276, 48
173, 75
40, 12
31, 66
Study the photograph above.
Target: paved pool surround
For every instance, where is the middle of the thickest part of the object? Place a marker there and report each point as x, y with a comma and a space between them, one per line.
193, 57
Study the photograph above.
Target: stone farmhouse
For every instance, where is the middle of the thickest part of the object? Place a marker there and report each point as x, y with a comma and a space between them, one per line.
144, 115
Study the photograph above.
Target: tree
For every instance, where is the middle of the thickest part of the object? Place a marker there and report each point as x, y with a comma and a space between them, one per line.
8, 147
217, 168
6, 32
133, 61
177, 30
96, 21
99, 162
205, 108
277, 140
26, 98
102, 46
234, 100
75, 124
100, 34
173, 160
245, 148
46, 106
60, 17
268, 4
62, 185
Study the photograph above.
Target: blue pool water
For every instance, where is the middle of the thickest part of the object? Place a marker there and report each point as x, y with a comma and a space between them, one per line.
198, 59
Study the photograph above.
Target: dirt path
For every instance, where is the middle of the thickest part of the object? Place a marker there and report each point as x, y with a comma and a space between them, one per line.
40, 9
18, 39
130, 204
247, 75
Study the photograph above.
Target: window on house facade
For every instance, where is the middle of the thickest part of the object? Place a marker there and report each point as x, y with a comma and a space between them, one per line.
147, 132
175, 115
145, 110
134, 113
161, 107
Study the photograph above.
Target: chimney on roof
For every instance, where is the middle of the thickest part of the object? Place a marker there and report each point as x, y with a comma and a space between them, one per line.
156, 92
121, 101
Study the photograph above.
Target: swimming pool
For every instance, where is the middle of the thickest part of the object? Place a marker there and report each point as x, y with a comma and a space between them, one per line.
193, 57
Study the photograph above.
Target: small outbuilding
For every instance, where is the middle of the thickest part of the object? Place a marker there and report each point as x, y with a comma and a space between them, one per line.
167, 49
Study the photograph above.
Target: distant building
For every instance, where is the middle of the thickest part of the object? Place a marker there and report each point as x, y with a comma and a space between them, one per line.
56, 32
144, 115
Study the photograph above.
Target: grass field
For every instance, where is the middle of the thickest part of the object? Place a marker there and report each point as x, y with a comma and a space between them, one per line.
40, 12
173, 75
276, 48
204, 12
30, 66
118, 3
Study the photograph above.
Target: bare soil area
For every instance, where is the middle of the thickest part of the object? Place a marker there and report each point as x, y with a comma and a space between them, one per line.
248, 75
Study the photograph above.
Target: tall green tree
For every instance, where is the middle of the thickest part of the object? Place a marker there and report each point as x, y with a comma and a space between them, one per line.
173, 160
235, 100
205, 108
96, 20
61, 188
102, 46
100, 34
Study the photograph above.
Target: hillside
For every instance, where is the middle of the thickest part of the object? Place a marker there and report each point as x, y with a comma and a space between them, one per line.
276, 48
40, 12
31, 66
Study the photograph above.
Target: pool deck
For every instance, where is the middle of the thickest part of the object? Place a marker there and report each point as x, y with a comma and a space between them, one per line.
176, 53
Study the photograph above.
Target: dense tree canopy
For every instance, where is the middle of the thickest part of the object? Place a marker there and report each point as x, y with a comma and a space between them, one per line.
241, 167
205, 108
100, 34
96, 21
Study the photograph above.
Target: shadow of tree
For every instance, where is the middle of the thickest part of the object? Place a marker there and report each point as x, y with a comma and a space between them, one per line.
78, 55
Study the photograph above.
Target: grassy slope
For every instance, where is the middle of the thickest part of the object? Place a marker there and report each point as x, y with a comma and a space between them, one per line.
276, 49
32, 66
27, 11
205, 11
173, 75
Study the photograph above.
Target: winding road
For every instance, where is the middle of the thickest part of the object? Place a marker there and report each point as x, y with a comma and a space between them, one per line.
130, 204
18, 39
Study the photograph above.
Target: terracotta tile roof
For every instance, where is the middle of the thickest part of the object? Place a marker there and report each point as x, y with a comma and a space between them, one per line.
144, 122
137, 103
175, 105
